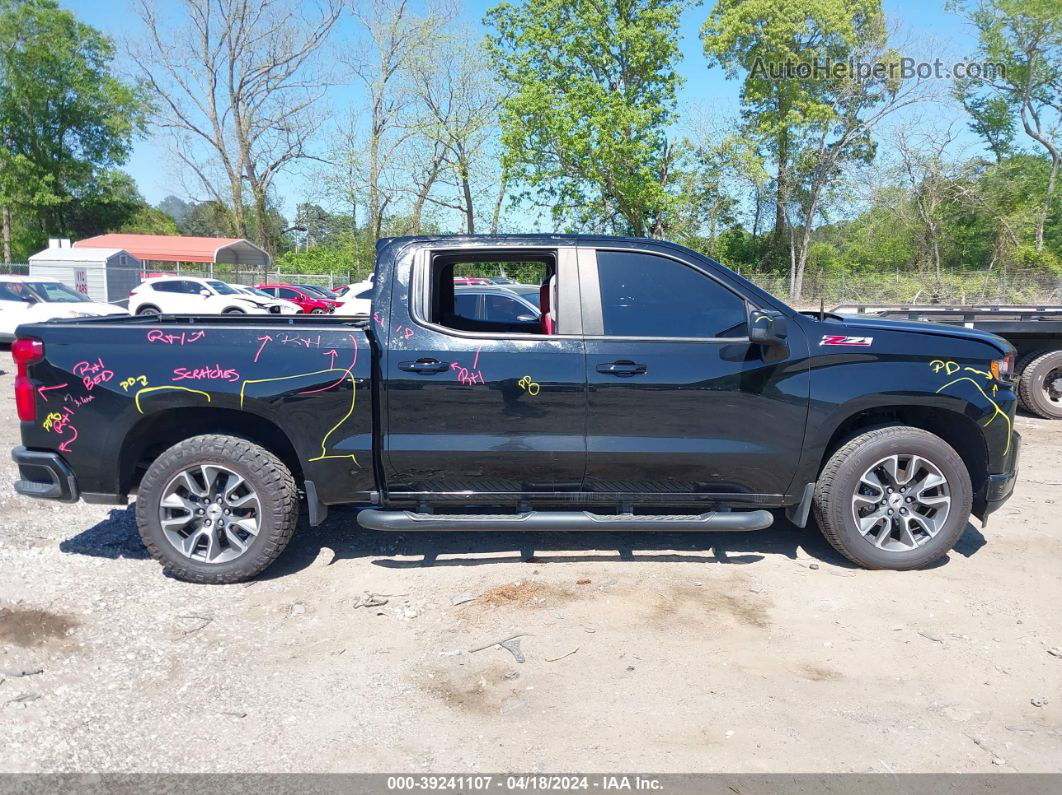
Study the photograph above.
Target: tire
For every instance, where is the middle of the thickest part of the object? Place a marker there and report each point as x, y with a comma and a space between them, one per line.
148, 309
1040, 385
317, 311
932, 528
233, 311
238, 555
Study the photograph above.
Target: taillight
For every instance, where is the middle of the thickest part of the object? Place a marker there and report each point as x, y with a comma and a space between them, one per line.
25, 351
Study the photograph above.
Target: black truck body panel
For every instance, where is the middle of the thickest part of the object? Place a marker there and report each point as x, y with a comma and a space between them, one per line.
349, 406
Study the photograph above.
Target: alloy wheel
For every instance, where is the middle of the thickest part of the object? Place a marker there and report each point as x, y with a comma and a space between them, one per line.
901, 502
210, 513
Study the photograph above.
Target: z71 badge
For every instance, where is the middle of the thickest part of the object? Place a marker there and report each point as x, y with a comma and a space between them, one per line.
840, 339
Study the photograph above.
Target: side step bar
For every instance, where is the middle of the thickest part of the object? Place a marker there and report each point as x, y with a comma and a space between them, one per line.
408, 521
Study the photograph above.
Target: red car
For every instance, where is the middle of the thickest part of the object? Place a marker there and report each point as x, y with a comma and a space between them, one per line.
464, 281
309, 303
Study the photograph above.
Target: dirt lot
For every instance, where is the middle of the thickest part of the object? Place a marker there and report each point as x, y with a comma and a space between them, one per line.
758, 652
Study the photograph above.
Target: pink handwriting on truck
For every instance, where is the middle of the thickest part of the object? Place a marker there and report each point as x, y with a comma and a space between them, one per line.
405, 332
209, 373
468, 376
299, 339
42, 389
265, 340
92, 373
58, 422
179, 338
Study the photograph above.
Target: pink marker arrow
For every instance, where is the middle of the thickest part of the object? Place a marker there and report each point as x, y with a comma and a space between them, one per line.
333, 353
42, 389
264, 340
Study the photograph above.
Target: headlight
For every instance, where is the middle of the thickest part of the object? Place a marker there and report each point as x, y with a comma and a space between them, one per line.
1003, 369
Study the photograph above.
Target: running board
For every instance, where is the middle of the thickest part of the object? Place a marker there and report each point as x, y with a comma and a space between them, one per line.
572, 521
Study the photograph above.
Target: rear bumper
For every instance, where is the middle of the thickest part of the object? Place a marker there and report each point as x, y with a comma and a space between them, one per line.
45, 475
998, 488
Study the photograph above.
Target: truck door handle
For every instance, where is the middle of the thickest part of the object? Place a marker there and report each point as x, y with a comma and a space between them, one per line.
424, 366
623, 368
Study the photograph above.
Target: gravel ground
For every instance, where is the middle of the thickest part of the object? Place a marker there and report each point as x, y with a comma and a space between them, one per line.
738, 652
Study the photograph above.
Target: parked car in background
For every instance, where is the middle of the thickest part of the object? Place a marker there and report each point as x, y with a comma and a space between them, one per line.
275, 305
356, 298
30, 299
529, 292
495, 304
310, 303
323, 292
189, 296
460, 280
342, 291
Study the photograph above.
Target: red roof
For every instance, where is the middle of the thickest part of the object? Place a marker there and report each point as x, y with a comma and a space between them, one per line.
177, 248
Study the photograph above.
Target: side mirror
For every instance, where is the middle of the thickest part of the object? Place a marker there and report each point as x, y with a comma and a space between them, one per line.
767, 327
205, 293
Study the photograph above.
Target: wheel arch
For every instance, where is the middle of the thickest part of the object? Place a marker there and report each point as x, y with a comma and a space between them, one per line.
959, 431
159, 431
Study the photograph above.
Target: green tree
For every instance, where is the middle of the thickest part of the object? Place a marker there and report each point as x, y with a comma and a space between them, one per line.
763, 39
803, 103
65, 119
1022, 41
590, 96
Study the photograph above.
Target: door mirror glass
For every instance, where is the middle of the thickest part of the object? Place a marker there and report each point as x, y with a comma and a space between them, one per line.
767, 327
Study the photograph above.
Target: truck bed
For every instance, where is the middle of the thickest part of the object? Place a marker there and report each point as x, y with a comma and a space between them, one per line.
300, 381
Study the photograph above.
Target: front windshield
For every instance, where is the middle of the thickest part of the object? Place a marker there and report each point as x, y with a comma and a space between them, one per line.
222, 289
55, 293
259, 293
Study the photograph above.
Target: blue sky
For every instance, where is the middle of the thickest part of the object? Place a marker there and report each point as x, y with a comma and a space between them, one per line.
926, 27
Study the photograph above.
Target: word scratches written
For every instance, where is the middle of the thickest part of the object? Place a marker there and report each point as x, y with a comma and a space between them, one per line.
209, 373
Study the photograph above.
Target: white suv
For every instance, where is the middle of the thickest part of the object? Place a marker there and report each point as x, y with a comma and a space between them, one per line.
181, 295
32, 299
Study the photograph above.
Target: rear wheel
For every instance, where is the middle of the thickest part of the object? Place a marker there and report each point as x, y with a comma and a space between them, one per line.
216, 509
233, 311
893, 498
317, 311
1040, 385
148, 309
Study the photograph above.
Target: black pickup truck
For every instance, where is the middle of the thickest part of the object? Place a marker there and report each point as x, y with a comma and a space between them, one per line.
655, 390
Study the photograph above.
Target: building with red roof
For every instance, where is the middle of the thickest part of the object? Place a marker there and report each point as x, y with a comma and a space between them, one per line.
179, 248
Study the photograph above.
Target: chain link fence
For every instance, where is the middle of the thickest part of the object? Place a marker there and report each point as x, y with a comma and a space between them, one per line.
999, 286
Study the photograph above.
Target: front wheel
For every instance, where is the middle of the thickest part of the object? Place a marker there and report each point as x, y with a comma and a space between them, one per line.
893, 498
317, 311
233, 311
216, 509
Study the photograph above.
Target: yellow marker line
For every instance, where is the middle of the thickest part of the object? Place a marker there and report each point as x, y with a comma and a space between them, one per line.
169, 386
243, 386
979, 372
1010, 428
324, 442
